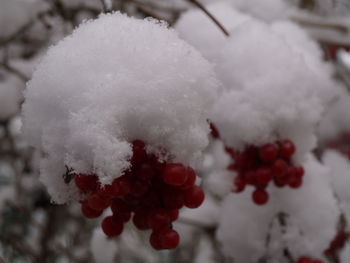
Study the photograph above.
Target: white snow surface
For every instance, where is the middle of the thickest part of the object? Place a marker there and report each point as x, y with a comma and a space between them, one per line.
114, 80
312, 216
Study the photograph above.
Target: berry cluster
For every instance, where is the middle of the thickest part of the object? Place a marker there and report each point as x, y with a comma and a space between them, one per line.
151, 192
337, 244
258, 166
308, 260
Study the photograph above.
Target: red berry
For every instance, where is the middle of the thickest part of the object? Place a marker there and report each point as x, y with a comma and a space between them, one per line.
173, 214
146, 172
239, 185
89, 212
304, 260
299, 171
106, 191
139, 152
140, 220
86, 183
98, 202
154, 240
121, 186
268, 152
175, 174
279, 167
263, 176
214, 131
194, 197
139, 188
125, 217
287, 149
158, 219
260, 197
173, 198
112, 228
119, 206
169, 238
191, 178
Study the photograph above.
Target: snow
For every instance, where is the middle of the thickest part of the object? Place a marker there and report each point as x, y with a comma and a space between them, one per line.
114, 80
311, 215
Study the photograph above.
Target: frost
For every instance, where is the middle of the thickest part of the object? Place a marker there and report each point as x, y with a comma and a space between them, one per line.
114, 80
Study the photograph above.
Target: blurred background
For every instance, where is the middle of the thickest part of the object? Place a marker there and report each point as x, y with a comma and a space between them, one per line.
32, 229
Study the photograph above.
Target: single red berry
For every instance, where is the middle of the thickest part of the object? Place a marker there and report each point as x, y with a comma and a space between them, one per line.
263, 176
191, 178
154, 240
125, 217
139, 152
97, 202
304, 260
145, 172
119, 206
89, 212
106, 191
173, 198
287, 148
260, 197
249, 177
299, 171
239, 184
158, 219
279, 167
140, 220
121, 186
194, 197
169, 238
268, 152
112, 228
175, 174
139, 188
85, 182
173, 214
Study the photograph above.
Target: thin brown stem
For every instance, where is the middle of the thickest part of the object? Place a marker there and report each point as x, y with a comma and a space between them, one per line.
202, 7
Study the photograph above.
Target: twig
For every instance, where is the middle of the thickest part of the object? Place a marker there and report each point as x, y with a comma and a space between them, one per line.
202, 7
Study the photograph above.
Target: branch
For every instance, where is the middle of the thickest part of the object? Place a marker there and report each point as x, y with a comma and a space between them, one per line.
202, 7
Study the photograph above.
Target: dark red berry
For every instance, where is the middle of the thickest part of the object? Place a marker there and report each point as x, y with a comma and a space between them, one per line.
299, 171
89, 212
139, 152
140, 220
263, 176
85, 182
239, 185
97, 202
194, 197
260, 197
154, 240
121, 186
173, 198
268, 152
158, 219
111, 228
125, 217
146, 172
287, 148
173, 214
169, 238
120, 206
175, 174
191, 178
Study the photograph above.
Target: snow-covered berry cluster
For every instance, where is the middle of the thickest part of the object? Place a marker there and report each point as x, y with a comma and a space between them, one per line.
258, 166
151, 190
